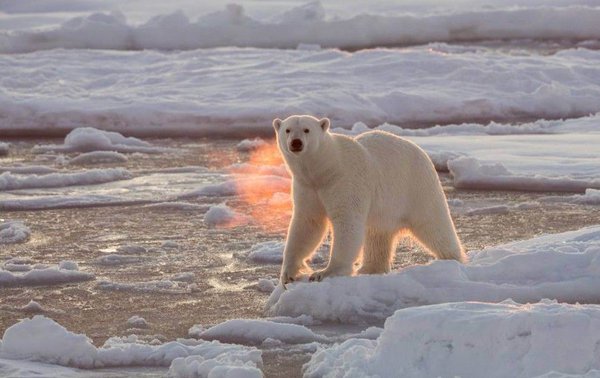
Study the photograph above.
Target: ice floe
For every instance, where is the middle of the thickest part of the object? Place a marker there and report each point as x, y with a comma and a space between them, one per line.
471, 340
562, 266
43, 340
9, 181
44, 276
14, 232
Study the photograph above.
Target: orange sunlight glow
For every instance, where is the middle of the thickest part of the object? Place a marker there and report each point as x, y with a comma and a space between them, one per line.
263, 185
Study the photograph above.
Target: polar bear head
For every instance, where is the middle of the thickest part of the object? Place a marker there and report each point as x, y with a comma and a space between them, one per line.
300, 134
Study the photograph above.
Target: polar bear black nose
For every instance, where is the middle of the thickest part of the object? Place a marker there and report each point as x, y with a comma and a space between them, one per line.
296, 145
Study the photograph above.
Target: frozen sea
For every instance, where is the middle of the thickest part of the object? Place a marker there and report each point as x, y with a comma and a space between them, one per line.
143, 205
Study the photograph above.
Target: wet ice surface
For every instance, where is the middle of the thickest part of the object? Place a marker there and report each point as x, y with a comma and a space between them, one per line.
159, 259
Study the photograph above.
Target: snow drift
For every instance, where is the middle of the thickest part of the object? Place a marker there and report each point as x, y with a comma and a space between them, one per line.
9, 181
563, 267
61, 274
13, 232
232, 27
472, 340
454, 85
41, 339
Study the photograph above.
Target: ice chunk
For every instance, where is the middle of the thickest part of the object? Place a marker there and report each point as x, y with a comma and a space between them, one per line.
472, 340
13, 232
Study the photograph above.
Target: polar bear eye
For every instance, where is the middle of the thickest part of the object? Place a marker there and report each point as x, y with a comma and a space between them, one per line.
306, 131
287, 131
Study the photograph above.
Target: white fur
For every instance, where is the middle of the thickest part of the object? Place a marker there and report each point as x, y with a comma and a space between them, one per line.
370, 189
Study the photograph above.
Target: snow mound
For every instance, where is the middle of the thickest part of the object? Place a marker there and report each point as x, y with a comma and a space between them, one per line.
116, 259
590, 197
44, 340
564, 267
266, 285
158, 286
232, 27
89, 139
44, 276
32, 306
41, 339
137, 321
271, 252
9, 181
472, 340
14, 232
29, 169
225, 365
248, 145
497, 209
4, 148
469, 173
65, 201
98, 157
222, 215
255, 331
178, 206
252, 185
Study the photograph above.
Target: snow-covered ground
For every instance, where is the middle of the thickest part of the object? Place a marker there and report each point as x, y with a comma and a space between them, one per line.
502, 95
441, 319
561, 266
154, 93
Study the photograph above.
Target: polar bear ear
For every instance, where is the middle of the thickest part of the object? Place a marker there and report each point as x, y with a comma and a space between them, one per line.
325, 123
276, 124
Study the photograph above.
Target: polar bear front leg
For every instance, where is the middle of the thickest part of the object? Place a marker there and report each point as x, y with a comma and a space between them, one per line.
348, 237
305, 234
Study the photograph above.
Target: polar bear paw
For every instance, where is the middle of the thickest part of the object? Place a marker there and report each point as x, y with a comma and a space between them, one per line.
320, 275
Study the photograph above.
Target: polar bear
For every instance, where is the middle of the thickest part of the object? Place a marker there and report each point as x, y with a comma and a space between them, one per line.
370, 189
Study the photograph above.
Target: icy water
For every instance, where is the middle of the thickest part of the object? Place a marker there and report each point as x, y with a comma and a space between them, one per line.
185, 226
219, 282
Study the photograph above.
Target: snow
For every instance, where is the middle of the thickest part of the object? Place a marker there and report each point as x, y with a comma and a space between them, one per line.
232, 26
469, 173
222, 215
29, 169
14, 232
116, 259
248, 145
270, 252
9, 181
590, 197
255, 331
563, 267
89, 139
98, 157
232, 186
41, 339
178, 205
32, 306
196, 330
472, 340
43, 276
68, 265
137, 321
452, 84
497, 209
158, 286
4, 148
266, 285
225, 366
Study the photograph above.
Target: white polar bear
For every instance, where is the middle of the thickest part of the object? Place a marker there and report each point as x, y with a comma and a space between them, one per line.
370, 188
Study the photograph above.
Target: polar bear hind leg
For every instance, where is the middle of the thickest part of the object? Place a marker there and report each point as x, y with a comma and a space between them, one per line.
439, 237
378, 252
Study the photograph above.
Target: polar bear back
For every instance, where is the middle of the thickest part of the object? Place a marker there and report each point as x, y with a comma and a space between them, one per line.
404, 181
